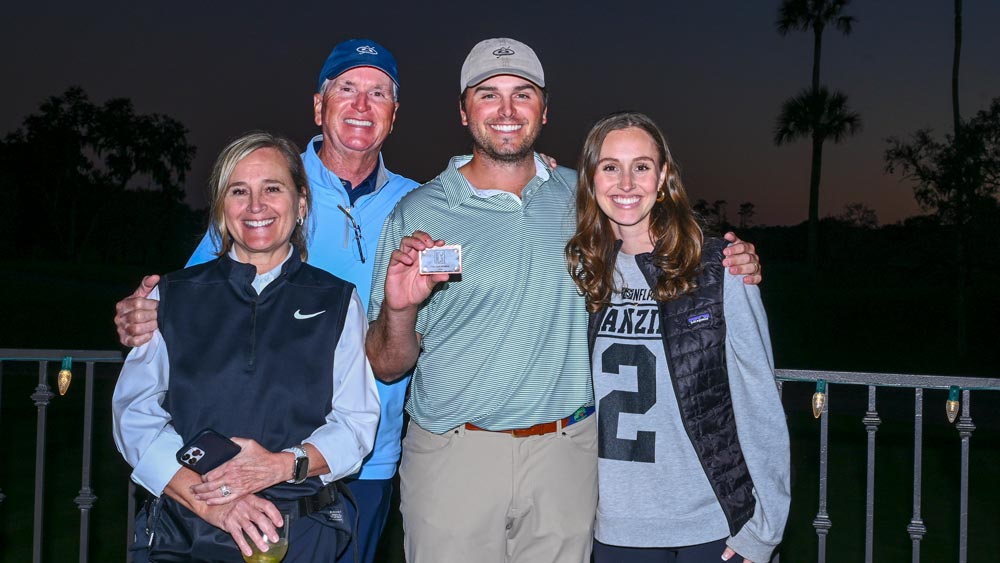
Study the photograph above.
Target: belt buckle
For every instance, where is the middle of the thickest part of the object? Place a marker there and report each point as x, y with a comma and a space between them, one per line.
523, 432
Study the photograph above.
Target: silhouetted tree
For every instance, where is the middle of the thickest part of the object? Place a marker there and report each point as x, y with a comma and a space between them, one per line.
72, 161
815, 16
719, 209
746, 214
707, 215
712, 216
956, 59
815, 113
957, 179
859, 215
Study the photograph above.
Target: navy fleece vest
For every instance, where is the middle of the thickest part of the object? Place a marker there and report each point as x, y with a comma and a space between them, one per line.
252, 366
694, 339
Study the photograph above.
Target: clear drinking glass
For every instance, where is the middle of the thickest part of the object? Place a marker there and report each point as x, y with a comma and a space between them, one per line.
277, 547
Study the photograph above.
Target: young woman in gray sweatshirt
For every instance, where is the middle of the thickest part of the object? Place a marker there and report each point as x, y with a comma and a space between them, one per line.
693, 447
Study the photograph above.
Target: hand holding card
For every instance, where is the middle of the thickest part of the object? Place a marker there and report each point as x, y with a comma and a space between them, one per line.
441, 260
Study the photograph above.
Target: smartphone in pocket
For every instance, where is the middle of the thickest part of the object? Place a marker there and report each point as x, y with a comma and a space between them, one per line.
206, 451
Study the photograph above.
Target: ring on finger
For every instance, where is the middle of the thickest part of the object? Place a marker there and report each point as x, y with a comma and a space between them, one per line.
225, 490
757, 268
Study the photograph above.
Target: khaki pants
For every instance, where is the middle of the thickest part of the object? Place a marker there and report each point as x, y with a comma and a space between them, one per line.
475, 496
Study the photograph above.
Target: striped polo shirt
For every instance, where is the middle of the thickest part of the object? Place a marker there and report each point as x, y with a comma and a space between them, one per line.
506, 345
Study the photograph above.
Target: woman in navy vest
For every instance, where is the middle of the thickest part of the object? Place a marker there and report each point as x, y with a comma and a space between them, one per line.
264, 349
692, 443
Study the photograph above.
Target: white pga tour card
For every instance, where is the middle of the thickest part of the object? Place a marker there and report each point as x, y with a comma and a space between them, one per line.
441, 260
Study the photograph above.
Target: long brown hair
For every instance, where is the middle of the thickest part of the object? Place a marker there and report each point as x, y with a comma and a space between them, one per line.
673, 228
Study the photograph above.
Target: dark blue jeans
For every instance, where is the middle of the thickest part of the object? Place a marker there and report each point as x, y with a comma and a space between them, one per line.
710, 552
374, 497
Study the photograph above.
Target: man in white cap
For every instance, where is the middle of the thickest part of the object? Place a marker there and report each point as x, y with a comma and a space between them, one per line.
355, 107
500, 456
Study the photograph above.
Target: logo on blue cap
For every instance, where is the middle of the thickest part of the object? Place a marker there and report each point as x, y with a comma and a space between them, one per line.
355, 53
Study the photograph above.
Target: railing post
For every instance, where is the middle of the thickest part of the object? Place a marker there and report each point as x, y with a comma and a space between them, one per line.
2, 497
872, 422
965, 428
41, 397
130, 522
822, 521
776, 558
86, 499
916, 527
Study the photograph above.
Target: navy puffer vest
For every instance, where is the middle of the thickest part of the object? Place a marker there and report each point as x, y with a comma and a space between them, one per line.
248, 365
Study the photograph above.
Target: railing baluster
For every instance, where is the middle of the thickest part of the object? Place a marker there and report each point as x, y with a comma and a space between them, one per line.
916, 527
965, 428
872, 422
41, 397
2, 497
776, 558
130, 522
822, 521
86, 499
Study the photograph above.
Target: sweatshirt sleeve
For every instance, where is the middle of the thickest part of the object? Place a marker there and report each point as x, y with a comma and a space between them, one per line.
760, 419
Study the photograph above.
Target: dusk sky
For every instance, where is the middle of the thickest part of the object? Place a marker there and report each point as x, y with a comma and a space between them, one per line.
712, 74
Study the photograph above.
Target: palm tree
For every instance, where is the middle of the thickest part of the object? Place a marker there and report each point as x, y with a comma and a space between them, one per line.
815, 112
956, 58
822, 116
956, 116
814, 15
957, 178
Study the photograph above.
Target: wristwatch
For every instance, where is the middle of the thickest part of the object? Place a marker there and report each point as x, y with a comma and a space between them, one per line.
301, 468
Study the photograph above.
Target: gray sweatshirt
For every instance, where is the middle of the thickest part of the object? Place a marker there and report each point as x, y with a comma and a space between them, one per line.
659, 496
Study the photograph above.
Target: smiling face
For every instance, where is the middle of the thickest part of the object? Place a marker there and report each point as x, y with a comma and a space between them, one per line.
260, 207
504, 115
626, 178
355, 111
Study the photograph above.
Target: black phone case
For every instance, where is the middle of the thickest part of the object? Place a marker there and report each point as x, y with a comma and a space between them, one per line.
206, 451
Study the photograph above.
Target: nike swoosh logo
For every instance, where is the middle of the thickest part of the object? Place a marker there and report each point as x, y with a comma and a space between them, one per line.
298, 314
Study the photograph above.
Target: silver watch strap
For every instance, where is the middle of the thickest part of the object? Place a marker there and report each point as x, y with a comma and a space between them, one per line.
299, 452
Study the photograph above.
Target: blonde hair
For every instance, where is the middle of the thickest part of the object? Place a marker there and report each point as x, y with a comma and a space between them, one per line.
673, 227
222, 171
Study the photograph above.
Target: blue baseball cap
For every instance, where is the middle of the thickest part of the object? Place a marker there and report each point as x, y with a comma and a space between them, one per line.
354, 53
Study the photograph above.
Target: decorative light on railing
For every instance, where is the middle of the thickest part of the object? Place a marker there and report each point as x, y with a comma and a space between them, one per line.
951, 407
819, 398
65, 374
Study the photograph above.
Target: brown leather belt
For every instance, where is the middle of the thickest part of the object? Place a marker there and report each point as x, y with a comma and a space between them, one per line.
541, 428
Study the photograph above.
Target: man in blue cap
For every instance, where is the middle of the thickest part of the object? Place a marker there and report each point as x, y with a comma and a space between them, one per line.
355, 107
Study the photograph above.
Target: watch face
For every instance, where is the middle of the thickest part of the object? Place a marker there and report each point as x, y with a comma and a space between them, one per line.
301, 469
